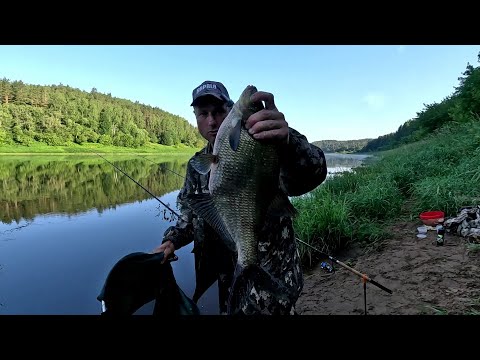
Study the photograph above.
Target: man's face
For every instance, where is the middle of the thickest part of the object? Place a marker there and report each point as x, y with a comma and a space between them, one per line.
210, 113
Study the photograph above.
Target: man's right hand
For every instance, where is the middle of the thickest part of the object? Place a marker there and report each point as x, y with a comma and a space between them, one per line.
168, 249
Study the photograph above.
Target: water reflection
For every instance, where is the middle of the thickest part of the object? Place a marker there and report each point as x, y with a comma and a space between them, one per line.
64, 222
72, 185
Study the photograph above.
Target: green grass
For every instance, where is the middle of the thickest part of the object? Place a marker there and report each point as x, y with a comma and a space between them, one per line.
474, 307
473, 248
434, 310
441, 172
86, 149
323, 222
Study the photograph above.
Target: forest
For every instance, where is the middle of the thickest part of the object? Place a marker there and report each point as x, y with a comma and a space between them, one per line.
342, 146
59, 115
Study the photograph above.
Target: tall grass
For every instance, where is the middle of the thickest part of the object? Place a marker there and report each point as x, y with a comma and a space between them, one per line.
440, 172
323, 221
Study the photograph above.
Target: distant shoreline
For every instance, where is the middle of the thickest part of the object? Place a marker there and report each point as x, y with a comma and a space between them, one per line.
97, 152
95, 149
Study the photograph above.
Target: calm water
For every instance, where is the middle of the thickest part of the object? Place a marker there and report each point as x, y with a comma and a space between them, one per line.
337, 163
65, 221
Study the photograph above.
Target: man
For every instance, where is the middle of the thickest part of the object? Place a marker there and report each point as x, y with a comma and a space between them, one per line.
303, 167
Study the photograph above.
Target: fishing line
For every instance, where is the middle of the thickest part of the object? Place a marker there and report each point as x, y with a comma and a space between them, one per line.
159, 164
136, 182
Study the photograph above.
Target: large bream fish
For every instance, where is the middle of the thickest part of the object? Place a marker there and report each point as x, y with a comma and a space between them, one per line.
244, 188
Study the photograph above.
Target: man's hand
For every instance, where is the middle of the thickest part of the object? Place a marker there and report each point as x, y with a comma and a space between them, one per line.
167, 248
268, 124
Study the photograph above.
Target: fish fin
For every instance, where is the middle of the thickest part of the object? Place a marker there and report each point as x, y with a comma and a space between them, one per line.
281, 206
202, 162
204, 206
234, 137
238, 289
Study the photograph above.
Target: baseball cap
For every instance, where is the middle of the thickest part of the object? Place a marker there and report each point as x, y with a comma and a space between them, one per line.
213, 88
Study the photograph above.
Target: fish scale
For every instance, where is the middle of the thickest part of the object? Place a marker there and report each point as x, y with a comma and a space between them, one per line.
245, 166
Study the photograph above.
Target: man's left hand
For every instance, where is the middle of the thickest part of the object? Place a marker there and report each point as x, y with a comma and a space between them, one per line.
268, 124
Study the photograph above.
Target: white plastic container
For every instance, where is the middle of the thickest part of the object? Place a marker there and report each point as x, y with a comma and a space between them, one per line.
422, 229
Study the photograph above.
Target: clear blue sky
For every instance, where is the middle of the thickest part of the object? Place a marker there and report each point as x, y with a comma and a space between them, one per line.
325, 92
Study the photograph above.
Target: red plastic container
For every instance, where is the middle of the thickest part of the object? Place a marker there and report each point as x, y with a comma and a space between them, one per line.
431, 218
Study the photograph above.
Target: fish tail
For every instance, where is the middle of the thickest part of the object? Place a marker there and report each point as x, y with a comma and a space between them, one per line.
243, 284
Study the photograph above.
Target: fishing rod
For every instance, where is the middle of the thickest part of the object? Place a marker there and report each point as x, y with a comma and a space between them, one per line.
136, 182
171, 259
158, 164
365, 278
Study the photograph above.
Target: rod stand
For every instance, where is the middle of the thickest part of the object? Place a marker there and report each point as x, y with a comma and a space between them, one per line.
365, 293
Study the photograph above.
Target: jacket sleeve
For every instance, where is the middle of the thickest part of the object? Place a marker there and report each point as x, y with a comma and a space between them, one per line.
182, 233
303, 165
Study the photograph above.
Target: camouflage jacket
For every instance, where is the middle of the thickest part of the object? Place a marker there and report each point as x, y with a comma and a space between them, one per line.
303, 167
